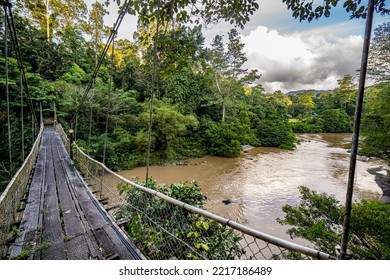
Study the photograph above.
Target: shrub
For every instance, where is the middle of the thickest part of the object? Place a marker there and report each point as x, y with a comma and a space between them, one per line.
206, 239
275, 133
336, 120
307, 125
319, 219
222, 141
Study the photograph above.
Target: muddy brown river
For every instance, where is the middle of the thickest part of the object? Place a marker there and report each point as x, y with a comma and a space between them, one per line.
260, 182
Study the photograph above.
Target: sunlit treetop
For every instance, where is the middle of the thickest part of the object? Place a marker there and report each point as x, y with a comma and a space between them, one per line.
313, 9
206, 12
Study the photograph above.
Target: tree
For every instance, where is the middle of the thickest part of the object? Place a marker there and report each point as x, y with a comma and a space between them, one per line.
376, 121
222, 140
344, 96
275, 133
128, 74
335, 120
319, 218
379, 58
54, 16
303, 103
235, 54
95, 27
43, 12
180, 48
218, 58
187, 90
227, 66
70, 13
219, 64
307, 10
74, 48
168, 124
189, 11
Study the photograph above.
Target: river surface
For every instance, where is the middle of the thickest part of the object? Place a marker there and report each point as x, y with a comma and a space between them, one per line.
262, 180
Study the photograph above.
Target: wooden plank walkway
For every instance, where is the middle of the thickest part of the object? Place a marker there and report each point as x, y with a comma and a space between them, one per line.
62, 219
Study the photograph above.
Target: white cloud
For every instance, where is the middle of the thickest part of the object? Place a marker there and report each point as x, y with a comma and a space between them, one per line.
300, 60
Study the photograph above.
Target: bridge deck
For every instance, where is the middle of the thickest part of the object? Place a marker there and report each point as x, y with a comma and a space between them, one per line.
62, 219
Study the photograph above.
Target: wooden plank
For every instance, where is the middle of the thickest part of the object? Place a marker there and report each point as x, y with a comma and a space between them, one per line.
29, 226
90, 211
72, 223
77, 248
103, 232
105, 244
52, 230
55, 251
94, 252
120, 249
96, 219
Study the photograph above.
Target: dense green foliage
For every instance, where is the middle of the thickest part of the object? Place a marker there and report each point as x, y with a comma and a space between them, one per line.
319, 219
210, 239
335, 120
325, 112
376, 121
205, 101
189, 11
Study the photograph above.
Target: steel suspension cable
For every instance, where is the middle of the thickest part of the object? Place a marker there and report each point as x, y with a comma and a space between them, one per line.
90, 118
15, 42
152, 94
7, 87
91, 104
109, 98
22, 113
118, 22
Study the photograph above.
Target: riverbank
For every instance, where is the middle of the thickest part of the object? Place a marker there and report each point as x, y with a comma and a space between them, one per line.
383, 181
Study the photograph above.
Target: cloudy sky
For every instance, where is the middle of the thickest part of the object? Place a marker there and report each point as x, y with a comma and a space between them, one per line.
290, 55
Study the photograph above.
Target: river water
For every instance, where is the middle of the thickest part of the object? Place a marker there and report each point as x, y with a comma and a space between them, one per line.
261, 181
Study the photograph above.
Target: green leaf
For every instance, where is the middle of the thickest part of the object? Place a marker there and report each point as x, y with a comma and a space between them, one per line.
327, 13
319, 9
203, 246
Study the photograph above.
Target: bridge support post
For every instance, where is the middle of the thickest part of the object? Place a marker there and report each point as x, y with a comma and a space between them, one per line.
55, 115
71, 138
356, 129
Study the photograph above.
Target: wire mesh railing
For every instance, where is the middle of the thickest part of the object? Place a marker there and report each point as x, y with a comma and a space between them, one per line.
12, 199
166, 228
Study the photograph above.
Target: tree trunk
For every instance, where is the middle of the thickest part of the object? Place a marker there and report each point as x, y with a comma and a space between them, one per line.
47, 4
223, 102
223, 111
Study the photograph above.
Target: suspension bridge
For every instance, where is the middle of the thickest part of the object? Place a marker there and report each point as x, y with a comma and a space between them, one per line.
51, 210
61, 203
60, 211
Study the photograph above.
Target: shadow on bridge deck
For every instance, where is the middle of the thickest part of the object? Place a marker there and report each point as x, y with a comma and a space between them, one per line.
62, 219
